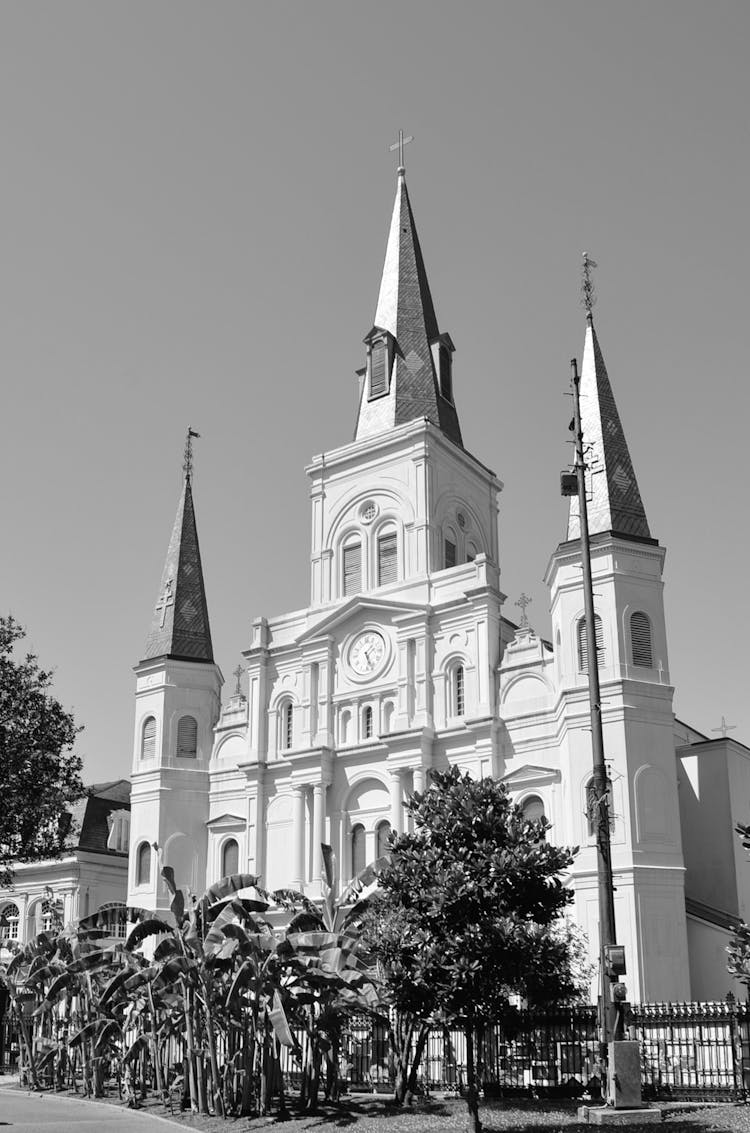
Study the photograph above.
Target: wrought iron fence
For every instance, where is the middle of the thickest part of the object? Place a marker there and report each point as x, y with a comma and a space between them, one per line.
688, 1051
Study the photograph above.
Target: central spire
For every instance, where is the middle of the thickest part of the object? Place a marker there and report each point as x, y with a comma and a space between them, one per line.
409, 362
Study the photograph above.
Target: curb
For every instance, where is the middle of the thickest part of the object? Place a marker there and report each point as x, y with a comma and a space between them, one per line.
24, 1093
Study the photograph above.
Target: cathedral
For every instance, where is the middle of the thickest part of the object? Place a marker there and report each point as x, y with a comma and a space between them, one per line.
403, 662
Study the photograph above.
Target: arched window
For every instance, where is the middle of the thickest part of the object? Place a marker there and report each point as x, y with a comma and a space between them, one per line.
187, 737
367, 727
583, 645
143, 864
640, 638
532, 809
148, 738
387, 716
9, 922
592, 805
358, 849
382, 834
450, 545
458, 691
230, 858
286, 725
352, 566
387, 558
344, 726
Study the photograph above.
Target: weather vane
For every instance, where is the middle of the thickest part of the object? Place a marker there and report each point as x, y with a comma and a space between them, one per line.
588, 295
523, 602
187, 466
399, 145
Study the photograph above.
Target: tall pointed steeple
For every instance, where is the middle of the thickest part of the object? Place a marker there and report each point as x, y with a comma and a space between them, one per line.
409, 363
614, 499
179, 628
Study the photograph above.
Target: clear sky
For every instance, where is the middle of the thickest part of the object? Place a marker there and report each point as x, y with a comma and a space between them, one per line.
194, 203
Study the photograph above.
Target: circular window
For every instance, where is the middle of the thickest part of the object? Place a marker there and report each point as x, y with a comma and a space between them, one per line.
368, 511
461, 520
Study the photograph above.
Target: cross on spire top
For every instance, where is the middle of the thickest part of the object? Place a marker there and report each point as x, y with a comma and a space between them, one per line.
187, 464
588, 293
399, 145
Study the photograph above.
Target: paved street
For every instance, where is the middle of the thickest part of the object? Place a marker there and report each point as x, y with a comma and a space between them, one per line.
66, 1115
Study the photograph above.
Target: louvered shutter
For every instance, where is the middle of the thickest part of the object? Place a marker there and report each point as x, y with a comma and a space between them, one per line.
378, 380
148, 742
387, 559
583, 645
458, 696
640, 635
187, 738
353, 569
450, 553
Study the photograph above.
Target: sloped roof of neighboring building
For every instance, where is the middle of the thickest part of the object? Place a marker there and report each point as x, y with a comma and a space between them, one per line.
89, 825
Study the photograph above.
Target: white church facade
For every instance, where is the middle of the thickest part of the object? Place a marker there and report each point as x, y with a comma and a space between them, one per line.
404, 662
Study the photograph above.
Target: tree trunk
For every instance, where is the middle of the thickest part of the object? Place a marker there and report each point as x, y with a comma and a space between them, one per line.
472, 1101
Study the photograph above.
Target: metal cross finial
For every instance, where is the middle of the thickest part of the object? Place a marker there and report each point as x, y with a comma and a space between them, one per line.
187, 466
724, 728
238, 674
588, 295
399, 145
523, 602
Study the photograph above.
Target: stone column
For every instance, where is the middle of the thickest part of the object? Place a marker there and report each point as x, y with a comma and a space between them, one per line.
319, 826
397, 811
298, 834
419, 778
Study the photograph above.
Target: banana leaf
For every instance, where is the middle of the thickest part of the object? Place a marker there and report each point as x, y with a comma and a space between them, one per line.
153, 927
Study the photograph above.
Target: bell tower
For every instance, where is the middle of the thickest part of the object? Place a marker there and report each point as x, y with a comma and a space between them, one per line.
177, 704
636, 699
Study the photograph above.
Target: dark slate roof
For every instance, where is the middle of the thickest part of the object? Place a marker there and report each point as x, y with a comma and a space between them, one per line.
614, 498
179, 627
406, 311
89, 815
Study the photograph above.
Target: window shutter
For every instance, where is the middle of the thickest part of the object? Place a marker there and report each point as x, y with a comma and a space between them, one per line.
446, 376
387, 559
143, 871
378, 380
230, 858
458, 694
187, 738
368, 723
358, 849
353, 569
288, 726
148, 740
583, 645
450, 554
640, 635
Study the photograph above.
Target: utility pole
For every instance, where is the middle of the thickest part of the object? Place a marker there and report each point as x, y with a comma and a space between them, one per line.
599, 801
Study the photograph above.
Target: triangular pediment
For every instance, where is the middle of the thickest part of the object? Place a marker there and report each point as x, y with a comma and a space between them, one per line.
226, 822
380, 608
530, 775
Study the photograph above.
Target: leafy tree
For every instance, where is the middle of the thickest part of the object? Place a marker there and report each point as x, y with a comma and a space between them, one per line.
39, 771
465, 917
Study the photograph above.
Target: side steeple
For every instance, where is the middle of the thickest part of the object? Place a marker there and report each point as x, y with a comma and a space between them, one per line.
180, 628
408, 375
614, 498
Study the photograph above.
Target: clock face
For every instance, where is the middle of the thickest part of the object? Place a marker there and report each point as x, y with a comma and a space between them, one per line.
366, 652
